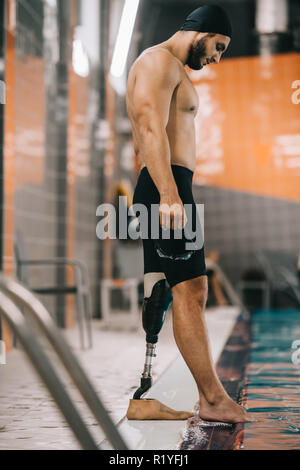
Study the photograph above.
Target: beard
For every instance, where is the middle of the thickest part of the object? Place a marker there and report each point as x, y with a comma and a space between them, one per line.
196, 53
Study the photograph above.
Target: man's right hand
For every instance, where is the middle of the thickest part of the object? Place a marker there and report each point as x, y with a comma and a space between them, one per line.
171, 211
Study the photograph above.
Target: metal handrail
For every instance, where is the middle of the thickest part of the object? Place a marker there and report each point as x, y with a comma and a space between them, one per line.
291, 281
81, 273
43, 366
279, 278
36, 310
231, 292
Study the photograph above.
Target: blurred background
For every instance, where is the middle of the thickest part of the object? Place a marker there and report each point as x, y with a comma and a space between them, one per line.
66, 144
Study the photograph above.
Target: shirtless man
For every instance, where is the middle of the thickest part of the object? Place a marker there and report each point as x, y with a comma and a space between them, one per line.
162, 104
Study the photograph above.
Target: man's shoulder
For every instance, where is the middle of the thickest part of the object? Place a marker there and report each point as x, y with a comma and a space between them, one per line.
158, 57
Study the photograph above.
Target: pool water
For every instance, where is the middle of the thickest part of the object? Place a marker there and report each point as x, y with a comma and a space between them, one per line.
273, 382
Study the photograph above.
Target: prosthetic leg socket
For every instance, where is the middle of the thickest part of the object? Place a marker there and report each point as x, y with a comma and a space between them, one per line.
153, 315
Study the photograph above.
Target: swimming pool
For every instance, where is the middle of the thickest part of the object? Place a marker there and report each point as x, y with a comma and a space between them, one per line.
256, 369
273, 382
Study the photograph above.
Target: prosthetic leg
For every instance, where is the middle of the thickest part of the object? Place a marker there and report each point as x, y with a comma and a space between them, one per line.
158, 298
154, 313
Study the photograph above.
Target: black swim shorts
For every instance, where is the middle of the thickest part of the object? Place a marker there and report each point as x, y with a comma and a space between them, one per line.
147, 194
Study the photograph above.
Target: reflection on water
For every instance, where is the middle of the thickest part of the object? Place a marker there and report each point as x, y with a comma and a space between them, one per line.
273, 382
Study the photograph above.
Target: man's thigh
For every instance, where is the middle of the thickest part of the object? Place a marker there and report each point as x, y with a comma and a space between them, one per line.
177, 271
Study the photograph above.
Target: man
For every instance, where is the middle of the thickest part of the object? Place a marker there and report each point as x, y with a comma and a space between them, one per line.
162, 104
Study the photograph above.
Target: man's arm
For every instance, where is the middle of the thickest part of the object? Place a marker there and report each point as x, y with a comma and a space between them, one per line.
156, 80
157, 77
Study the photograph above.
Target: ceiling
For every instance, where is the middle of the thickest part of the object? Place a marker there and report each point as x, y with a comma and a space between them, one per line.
160, 19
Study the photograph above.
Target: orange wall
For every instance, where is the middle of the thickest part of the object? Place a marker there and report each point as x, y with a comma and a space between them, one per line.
247, 128
8, 153
24, 140
29, 96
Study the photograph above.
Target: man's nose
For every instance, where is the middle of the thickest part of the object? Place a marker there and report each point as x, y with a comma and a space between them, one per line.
216, 58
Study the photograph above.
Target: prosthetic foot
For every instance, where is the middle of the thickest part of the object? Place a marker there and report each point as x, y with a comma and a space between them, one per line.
150, 408
158, 298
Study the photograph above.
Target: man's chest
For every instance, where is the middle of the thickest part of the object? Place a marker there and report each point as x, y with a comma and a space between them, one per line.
185, 97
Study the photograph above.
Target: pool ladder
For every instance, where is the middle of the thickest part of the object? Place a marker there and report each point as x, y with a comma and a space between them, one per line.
14, 297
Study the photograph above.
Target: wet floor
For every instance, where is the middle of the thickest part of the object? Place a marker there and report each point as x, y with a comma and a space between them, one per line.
273, 389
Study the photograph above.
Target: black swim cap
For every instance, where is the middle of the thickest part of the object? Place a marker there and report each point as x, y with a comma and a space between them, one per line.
208, 19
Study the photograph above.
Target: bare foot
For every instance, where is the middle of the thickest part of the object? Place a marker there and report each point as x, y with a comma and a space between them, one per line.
225, 411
